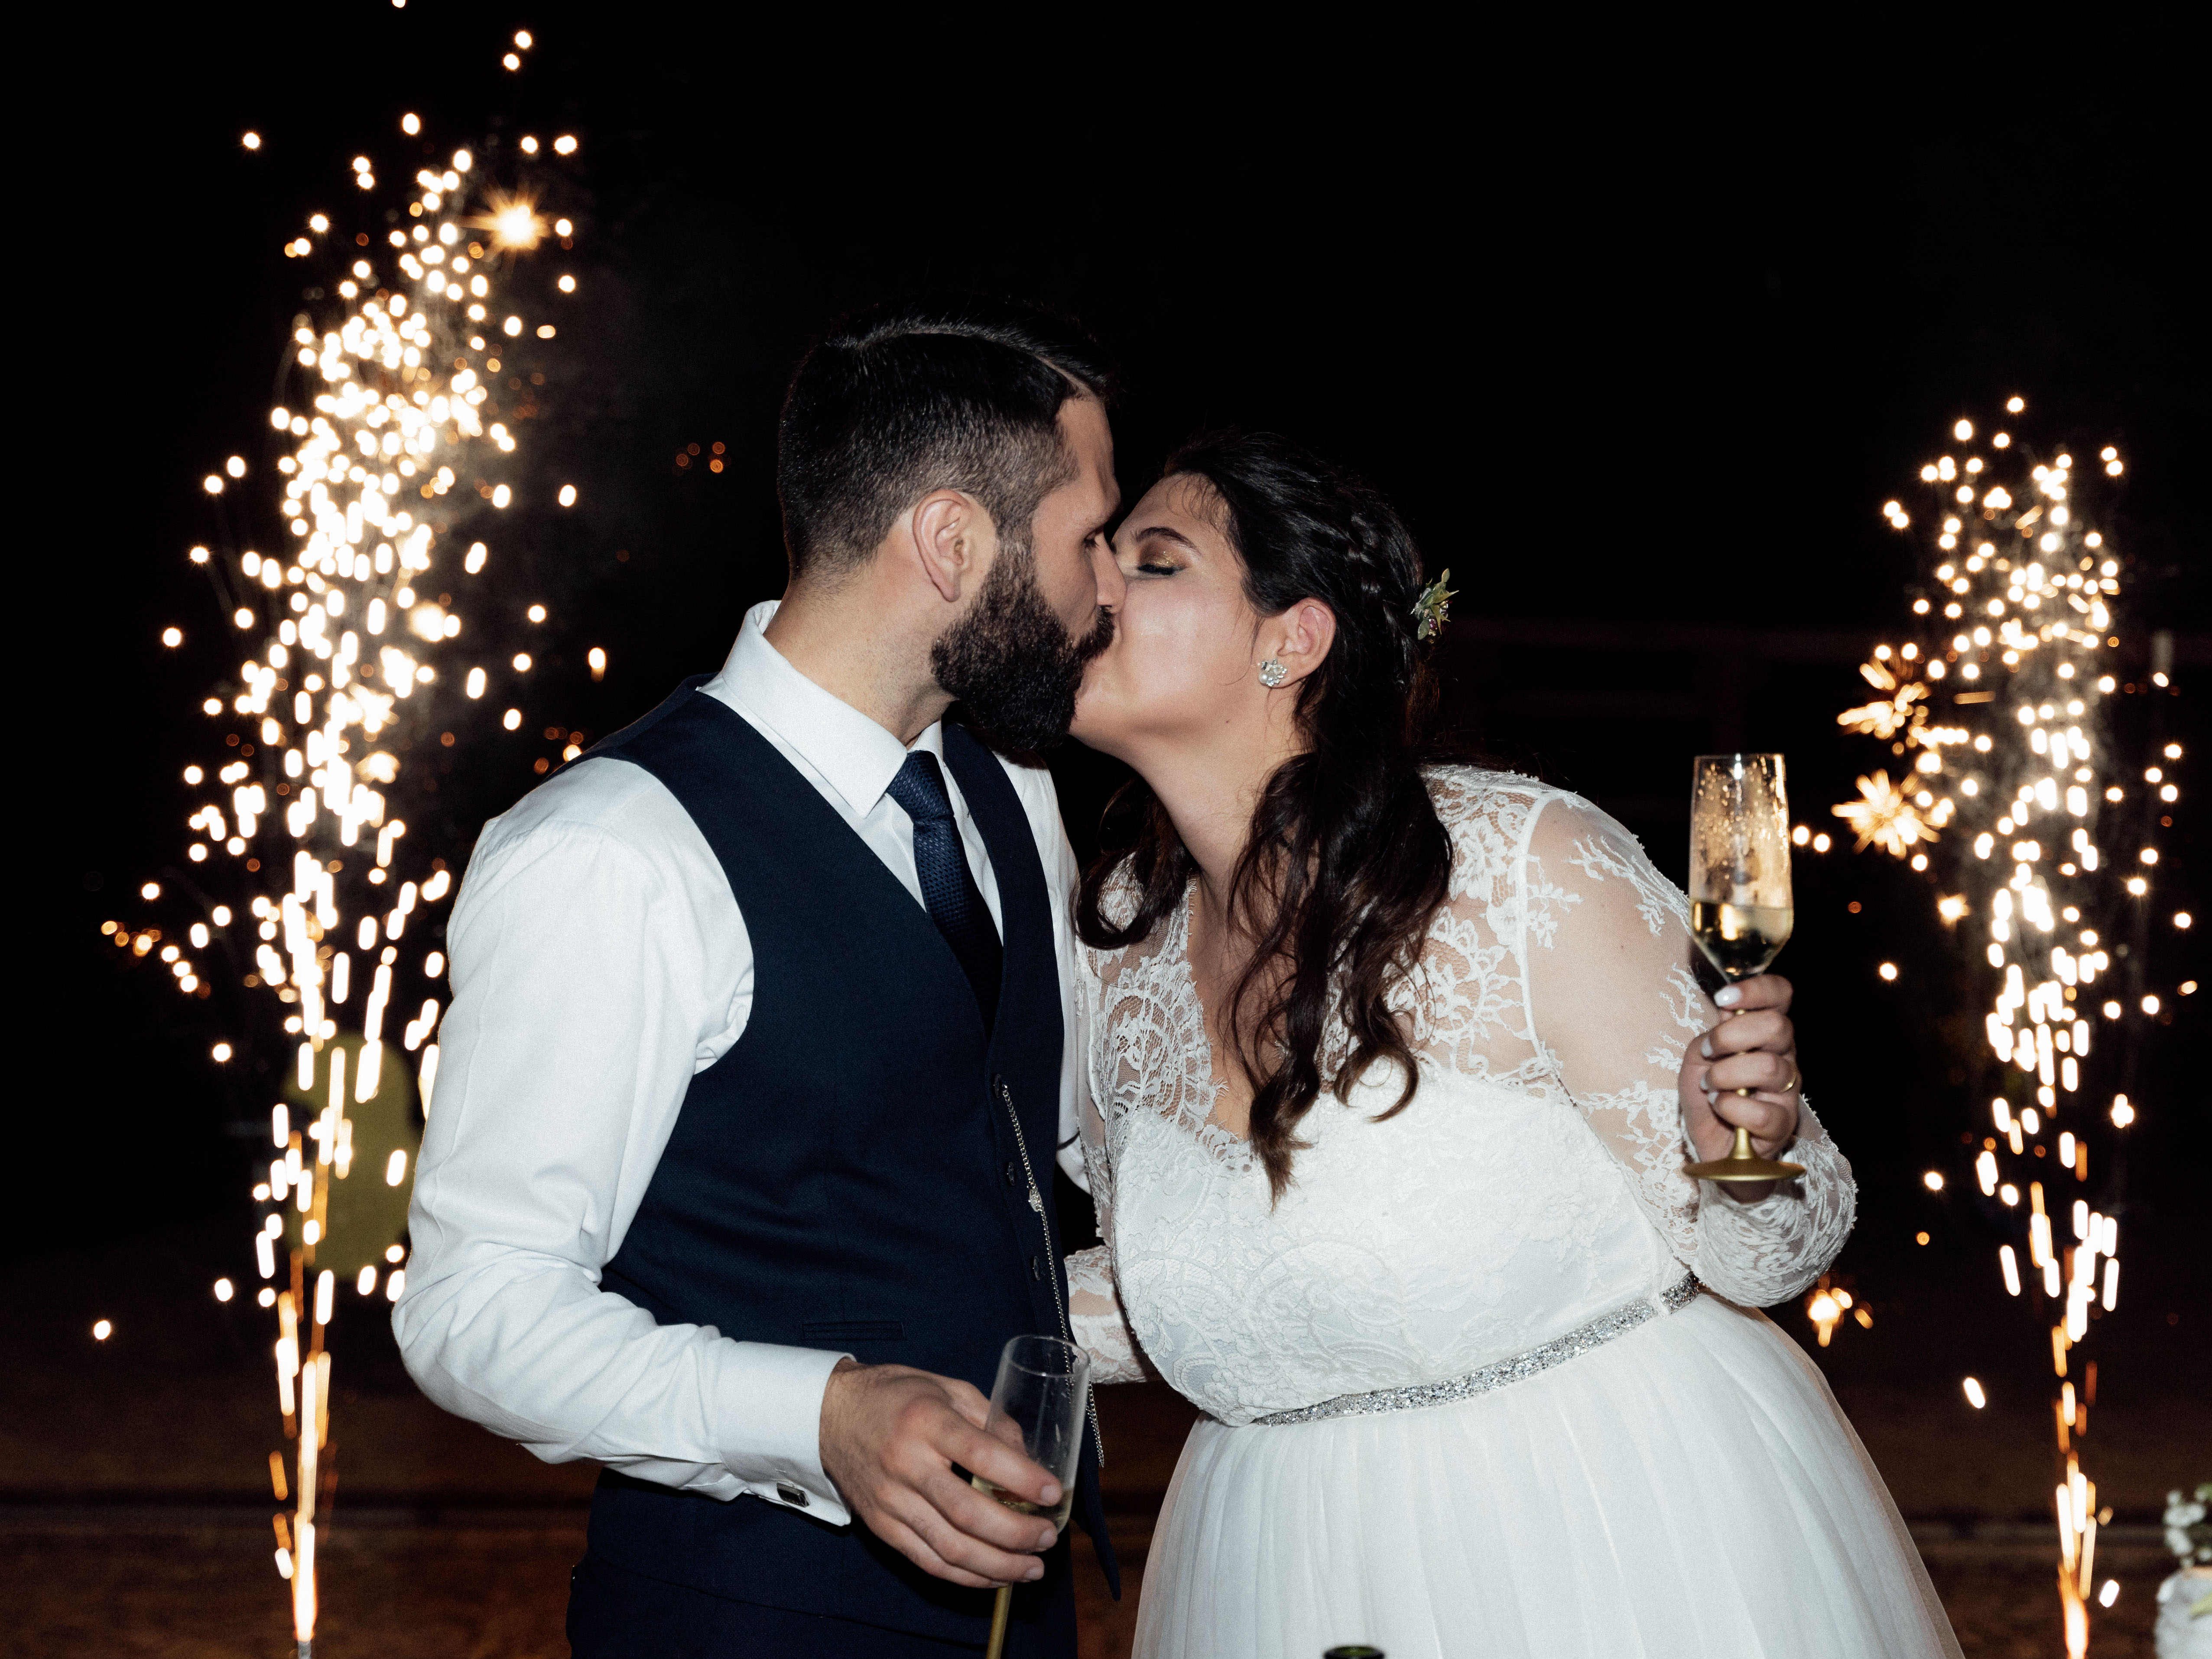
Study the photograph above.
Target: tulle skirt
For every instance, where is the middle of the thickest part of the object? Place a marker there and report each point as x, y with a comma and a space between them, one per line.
1690, 1491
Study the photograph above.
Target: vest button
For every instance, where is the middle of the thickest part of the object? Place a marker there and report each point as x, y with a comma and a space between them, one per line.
1011, 1169
1037, 1270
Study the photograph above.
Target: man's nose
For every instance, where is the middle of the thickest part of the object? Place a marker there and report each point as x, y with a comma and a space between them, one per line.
1110, 583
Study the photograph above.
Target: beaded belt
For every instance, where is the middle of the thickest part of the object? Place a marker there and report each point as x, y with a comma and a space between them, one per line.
1580, 1340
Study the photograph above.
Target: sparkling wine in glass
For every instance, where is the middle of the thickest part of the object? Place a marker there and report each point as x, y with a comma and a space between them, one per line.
1740, 904
1038, 1404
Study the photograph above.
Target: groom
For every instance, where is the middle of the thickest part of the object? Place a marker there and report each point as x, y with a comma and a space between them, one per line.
738, 1174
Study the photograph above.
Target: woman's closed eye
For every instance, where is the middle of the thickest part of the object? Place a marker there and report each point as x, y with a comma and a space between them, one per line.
1154, 559
1156, 551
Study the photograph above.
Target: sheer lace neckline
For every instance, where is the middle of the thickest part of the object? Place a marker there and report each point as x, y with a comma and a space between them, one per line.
1163, 1065
1204, 1059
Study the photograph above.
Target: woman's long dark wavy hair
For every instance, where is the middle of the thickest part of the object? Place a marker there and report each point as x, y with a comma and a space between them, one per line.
1347, 863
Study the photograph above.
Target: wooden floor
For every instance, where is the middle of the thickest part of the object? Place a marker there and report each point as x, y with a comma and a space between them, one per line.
134, 1512
186, 1587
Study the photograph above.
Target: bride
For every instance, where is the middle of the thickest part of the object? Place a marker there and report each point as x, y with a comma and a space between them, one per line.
1393, 1071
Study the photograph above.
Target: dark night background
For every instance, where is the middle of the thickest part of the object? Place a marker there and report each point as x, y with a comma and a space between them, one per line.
1639, 328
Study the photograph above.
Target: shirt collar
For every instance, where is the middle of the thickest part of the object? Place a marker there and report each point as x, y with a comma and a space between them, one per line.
855, 756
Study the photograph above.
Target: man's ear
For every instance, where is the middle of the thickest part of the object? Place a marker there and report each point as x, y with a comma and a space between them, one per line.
1304, 634
953, 539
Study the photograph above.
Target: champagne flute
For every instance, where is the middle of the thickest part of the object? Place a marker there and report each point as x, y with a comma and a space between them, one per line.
1739, 908
1038, 1403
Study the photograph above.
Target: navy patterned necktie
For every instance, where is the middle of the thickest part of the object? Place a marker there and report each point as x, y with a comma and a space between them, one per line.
947, 888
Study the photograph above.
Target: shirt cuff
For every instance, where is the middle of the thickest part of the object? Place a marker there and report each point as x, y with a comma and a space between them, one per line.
776, 1394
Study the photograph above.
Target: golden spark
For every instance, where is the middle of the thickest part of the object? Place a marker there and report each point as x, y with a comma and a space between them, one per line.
1884, 817
1883, 720
511, 222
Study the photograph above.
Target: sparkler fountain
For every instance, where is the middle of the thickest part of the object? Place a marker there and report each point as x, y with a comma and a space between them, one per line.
2016, 799
394, 400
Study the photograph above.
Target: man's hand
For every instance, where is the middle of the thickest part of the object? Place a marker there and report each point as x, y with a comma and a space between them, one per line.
1755, 1046
890, 1438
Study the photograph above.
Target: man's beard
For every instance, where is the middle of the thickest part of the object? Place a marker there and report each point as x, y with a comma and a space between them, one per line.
1010, 662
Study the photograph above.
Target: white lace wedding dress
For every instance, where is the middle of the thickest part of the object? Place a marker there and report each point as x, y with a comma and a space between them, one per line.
1638, 1473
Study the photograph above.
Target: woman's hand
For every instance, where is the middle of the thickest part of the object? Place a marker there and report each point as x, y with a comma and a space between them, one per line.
1755, 1046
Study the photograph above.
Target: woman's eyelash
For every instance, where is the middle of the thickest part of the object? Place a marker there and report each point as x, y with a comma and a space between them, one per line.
1154, 567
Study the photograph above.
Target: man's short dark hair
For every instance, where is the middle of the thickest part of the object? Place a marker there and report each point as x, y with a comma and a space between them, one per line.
920, 395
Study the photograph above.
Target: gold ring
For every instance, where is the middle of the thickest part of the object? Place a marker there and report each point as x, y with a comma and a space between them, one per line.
1796, 1077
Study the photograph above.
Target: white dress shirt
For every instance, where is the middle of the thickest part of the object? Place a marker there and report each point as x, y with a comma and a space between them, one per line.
599, 963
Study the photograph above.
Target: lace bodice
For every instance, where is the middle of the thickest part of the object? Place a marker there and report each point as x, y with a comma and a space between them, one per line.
1535, 1181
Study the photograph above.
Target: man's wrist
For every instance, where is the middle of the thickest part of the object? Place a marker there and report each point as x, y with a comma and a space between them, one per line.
833, 1390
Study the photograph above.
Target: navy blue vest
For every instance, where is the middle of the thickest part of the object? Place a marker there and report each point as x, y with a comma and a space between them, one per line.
846, 1177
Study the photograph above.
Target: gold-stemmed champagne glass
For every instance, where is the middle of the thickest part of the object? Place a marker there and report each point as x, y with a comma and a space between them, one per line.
1739, 906
1038, 1404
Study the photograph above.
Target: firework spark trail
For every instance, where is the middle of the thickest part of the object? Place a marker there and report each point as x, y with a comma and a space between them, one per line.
394, 400
2014, 797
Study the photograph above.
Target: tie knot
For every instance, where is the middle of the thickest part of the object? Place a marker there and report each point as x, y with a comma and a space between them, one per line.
919, 788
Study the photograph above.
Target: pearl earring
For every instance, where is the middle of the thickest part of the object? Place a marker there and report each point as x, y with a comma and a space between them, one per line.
1272, 673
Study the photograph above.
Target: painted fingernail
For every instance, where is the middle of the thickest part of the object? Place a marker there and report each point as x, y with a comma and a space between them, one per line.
1706, 1047
1728, 996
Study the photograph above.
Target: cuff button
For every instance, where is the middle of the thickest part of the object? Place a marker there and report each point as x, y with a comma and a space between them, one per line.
795, 1496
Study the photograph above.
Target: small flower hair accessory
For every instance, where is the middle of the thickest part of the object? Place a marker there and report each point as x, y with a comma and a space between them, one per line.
1432, 609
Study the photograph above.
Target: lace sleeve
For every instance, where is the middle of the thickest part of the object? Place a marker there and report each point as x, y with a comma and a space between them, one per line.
1612, 1006
1094, 1302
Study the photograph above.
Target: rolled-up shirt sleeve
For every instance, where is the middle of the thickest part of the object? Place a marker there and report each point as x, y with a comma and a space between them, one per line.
590, 984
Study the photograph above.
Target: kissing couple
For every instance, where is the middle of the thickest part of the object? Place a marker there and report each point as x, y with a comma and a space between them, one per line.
772, 1013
